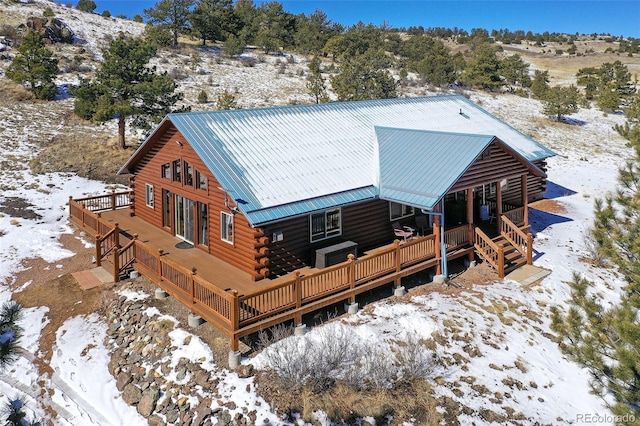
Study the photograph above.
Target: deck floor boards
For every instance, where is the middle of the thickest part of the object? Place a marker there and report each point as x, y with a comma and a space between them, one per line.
216, 271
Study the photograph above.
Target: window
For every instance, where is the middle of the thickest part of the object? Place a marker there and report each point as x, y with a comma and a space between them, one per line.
201, 181
177, 172
149, 195
203, 224
325, 224
398, 211
166, 171
188, 174
226, 227
504, 185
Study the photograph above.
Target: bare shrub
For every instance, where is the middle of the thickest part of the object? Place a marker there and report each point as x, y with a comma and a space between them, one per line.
177, 73
249, 62
414, 359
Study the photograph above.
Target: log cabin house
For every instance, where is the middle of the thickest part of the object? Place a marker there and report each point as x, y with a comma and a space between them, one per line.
267, 214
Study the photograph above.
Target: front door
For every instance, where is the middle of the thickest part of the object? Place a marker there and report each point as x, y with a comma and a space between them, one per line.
185, 221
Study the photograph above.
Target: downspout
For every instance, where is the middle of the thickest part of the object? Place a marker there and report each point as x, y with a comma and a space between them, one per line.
443, 246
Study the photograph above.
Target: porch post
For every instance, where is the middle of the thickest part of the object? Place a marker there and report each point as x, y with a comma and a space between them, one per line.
436, 232
499, 204
525, 200
470, 220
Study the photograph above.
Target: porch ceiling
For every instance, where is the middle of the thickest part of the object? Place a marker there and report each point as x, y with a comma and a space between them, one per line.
418, 167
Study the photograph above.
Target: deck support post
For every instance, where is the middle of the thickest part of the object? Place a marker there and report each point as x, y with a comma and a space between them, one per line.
352, 276
470, 221
499, 205
300, 330
235, 320
525, 200
234, 359
160, 294
438, 246
353, 308
98, 251
194, 320
397, 281
399, 291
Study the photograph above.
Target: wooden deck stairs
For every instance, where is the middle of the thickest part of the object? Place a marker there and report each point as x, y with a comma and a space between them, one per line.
508, 251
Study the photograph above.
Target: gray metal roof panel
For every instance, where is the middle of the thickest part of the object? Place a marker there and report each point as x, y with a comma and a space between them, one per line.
418, 167
278, 156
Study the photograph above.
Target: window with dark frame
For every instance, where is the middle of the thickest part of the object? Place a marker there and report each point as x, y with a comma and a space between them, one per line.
201, 181
203, 224
166, 171
188, 174
325, 224
399, 211
176, 171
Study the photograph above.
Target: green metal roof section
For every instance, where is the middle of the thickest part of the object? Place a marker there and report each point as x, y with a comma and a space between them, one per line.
276, 160
418, 167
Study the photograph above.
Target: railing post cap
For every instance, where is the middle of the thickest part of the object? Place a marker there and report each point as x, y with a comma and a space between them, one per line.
350, 257
194, 270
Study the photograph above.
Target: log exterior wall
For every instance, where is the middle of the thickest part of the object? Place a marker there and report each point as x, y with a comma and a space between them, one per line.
245, 251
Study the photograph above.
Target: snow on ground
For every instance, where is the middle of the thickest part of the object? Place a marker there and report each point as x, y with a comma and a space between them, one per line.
494, 342
496, 346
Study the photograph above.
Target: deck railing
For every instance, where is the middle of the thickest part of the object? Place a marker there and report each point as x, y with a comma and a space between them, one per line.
520, 240
516, 216
490, 251
239, 314
112, 201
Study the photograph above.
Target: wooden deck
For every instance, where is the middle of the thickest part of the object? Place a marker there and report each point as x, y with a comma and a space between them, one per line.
229, 298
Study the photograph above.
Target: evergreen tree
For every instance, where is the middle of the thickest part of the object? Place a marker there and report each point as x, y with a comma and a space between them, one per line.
226, 100
540, 83
203, 98
365, 77
559, 101
35, 67
313, 32
10, 332
16, 415
173, 14
429, 58
275, 27
602, 338
233, 46
212, 20
86, 5
315, 82
483, 70
126, 87
610, 85
515, 71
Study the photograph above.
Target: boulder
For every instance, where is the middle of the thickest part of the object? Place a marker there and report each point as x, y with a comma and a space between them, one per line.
147, 403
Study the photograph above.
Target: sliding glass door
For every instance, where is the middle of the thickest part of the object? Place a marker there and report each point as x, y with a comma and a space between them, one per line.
185, 220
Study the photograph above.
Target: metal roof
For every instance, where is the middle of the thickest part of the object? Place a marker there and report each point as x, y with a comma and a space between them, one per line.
418, 167
292, 160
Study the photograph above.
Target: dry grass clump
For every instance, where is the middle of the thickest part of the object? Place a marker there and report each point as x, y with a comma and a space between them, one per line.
347, 378
82, 151
14, 92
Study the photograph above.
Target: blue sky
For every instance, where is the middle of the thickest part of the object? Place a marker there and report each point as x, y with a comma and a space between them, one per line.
569, 16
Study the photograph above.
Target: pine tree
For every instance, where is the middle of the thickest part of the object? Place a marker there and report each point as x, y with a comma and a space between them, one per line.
315, 82
126, 87
559, 101
212, 20
226, 100
604, 339
16, 415
483, 70
365, 77
86, 5
10, 332
540, 83
35, 67
173, 14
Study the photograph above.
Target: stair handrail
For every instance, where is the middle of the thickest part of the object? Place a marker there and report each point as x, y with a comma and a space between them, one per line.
520, 240
490, 251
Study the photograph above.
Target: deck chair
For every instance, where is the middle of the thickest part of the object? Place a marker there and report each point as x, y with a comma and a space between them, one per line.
404, 232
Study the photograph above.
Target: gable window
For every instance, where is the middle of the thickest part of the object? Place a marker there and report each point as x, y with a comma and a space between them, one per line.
188, 174
399, 211
325, 224
176, 171
148, 195
166, 171
226, 227
201, 181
